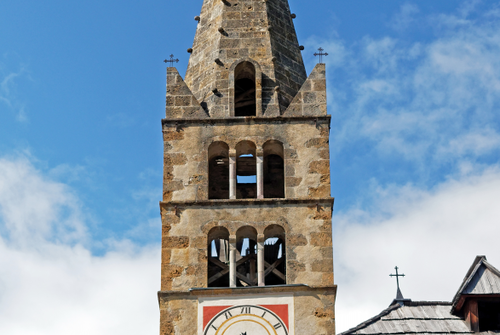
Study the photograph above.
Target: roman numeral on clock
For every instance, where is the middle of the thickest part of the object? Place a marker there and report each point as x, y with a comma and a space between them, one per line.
278, 325
245, 310
228, 315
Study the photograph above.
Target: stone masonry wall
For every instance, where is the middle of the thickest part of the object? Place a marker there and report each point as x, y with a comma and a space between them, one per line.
309, 253
234, 30
307, 166
178, 312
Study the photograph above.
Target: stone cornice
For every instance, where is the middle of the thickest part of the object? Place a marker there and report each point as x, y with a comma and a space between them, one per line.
247, 119
247, 202
195, 293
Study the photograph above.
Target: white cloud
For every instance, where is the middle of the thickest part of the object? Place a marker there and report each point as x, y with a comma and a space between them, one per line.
433, 105
421, 101
405, 17
8, 98
50, 282
433, 236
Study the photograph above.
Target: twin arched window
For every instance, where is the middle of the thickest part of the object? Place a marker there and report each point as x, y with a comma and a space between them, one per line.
246, 176
247, 262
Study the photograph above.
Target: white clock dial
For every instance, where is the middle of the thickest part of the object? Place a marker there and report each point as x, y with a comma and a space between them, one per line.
246, 320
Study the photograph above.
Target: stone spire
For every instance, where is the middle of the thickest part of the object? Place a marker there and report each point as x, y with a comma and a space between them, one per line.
232, 31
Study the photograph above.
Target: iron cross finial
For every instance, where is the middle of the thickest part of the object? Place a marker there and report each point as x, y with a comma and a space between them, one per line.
321, 54
397, 275
171, 60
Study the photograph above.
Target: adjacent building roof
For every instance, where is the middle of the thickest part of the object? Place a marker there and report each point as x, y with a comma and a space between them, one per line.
434, 317
481, 279
413, 317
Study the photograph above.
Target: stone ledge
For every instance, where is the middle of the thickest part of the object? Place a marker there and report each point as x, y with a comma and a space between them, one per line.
255, 202
247, 119
194, 293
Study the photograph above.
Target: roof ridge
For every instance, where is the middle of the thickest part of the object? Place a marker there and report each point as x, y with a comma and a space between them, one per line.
471, 274
428, 303
491, 267
468, 277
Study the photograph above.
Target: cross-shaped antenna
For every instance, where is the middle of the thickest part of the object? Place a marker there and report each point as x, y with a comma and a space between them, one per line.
397, 275
171, 60
320, 54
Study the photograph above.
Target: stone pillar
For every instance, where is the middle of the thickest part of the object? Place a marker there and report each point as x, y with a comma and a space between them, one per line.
260, 260
232, 263
232, 174
260, 176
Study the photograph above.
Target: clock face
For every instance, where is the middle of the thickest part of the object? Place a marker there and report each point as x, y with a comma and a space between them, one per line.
246, 320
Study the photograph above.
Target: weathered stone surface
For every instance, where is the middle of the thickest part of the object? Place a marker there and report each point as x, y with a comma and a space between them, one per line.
321, 167
324, 265
186, 162
176, 242
321, 239
289, 134
314, 308
180, 101
311, 99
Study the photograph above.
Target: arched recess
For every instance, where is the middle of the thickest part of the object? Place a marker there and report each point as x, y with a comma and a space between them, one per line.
218, 171
274, 255
246, 256
274, 169
218, 257
245, 88
246, 170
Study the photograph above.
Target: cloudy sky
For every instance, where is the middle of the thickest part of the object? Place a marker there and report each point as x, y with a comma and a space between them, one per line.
414, 91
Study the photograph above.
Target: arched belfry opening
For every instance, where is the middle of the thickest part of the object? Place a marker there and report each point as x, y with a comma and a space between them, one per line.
218, 257
275, 256
245, 96
246, 170
274, 170
246, 256
218, 171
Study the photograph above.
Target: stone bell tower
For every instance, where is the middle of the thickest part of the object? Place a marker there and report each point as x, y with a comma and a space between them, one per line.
246, 210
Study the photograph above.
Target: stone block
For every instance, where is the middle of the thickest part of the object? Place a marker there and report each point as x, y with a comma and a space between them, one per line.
321, 167
322, 191
297, 240
173, 135
293, 181
321, 239
318, 142
175, 159
324, 265
176, 242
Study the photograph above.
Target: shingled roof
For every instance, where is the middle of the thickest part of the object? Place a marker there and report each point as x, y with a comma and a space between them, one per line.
481, 279
413, 317
404, 316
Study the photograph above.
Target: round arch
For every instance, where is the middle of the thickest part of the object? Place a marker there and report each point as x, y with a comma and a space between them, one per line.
249, 70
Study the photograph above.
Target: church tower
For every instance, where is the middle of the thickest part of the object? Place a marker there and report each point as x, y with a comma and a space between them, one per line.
246, 210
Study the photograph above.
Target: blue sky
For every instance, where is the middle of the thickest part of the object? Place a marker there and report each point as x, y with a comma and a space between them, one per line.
414, 93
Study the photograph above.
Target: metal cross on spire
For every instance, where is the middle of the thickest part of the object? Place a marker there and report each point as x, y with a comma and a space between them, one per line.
171, 60
321, 54
397, 275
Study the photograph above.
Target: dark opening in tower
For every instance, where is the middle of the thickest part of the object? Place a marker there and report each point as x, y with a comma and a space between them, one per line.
246, 257
274, 170
246, 170
275, 256
218, 171
245, 90
218, 257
